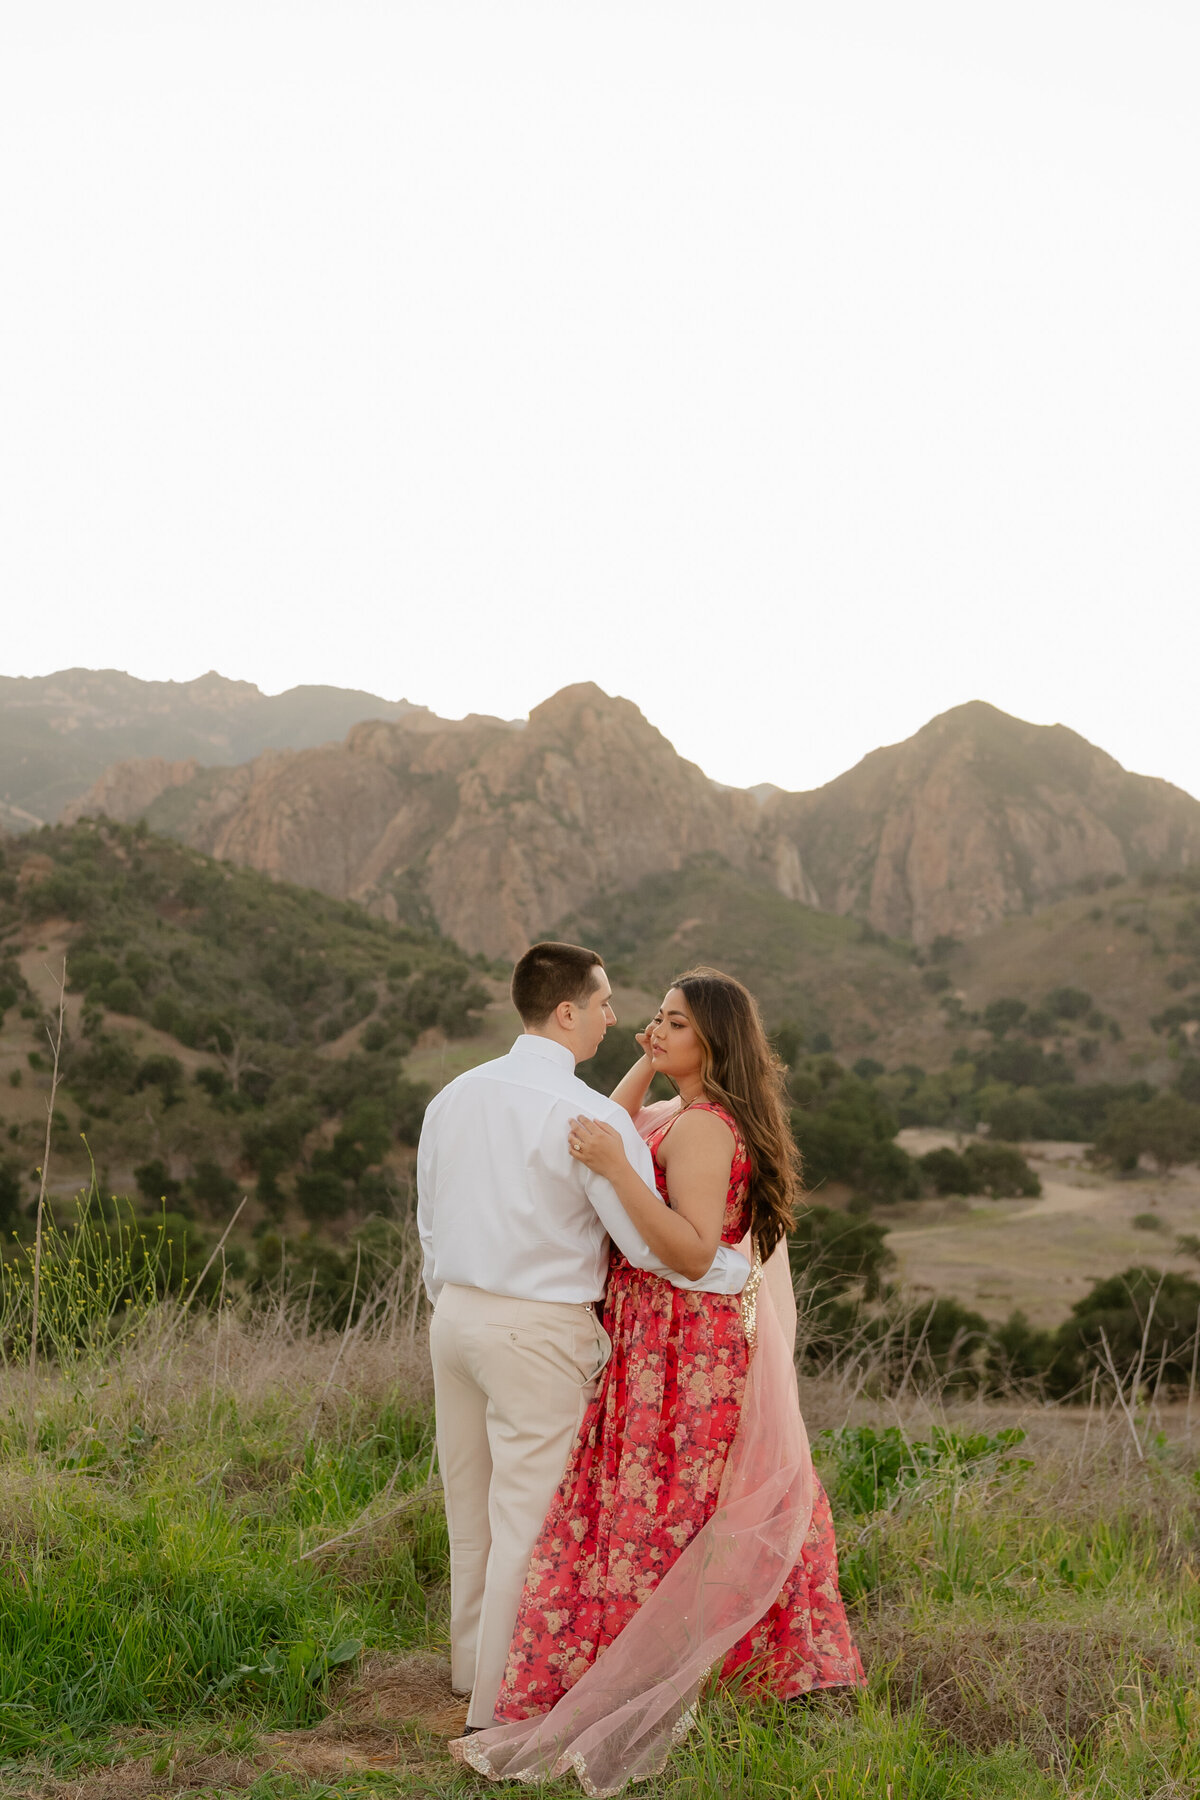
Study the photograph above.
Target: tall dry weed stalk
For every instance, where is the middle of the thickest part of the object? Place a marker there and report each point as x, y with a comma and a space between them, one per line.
56, 1047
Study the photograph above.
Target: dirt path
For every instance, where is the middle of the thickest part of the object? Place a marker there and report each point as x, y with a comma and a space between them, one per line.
1043, 1255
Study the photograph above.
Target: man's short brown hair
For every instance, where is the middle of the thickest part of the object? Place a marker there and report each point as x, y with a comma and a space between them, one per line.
548, 974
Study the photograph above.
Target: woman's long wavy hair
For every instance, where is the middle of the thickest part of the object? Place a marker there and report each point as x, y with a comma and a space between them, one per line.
741, 1072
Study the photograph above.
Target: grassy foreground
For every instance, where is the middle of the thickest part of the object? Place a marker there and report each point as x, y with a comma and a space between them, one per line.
223, 1571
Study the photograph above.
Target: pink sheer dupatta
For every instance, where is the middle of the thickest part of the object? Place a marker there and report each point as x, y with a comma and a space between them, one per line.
620, 1720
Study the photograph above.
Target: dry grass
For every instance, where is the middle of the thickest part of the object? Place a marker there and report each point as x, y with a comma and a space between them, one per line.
1045, 1611
1045, 1684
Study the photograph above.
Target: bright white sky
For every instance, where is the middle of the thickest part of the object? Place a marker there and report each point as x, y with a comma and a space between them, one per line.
796, 370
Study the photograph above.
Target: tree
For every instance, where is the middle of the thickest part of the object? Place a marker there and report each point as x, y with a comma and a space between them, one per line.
154, 1182
1068, 1003
12, 1193
1001, 1171
1166, 1127
233, 1054
1018, 1116
321, 1191
165, 1072
211, 1185
1000, 1016
845, 1133
946, 1170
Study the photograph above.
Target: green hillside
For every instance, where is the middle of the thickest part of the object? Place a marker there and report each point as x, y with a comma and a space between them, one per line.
824, 973
225, 1034
1132, 949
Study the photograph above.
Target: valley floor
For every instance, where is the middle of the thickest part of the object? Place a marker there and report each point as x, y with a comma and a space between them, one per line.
1041, 1255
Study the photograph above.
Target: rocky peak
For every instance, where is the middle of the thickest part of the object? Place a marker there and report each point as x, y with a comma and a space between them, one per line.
502, 828
976, 816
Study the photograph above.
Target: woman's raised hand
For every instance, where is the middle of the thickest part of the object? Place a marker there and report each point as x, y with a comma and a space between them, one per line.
597, 1146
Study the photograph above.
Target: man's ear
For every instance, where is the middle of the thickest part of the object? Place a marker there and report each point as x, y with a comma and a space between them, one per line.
564, 1012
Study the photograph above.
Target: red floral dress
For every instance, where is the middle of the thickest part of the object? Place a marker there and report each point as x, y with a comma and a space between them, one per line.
644, 1477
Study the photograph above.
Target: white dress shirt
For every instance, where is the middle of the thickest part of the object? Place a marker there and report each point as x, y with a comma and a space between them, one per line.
503, 1206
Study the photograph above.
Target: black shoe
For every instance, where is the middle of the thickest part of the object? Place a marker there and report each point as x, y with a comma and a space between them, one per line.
468, 1729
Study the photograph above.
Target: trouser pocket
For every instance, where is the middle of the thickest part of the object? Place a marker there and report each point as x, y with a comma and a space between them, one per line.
593, 1349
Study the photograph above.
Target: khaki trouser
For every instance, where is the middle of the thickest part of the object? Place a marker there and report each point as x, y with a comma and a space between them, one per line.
511, 1381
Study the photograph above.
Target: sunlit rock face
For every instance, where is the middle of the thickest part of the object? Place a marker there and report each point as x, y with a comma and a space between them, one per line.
499, 828
976, 817
495, 830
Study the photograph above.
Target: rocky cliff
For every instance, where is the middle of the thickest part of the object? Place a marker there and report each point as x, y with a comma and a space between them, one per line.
498, 829
976, 817
126, 789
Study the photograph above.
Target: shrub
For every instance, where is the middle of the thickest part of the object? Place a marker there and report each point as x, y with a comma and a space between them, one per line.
946, 1170
831, 1252
165, 1072
787, 1042
1187, 1079
322, 1193
211, 1185
867, 1069
154, 1183
280, 1133
1017, 1353
1146, 1317
1068, 1003
12, 1193
1000, 1171
215, 1082
1000, 1016
363, 1139
1023, 1064
123, 996
1146, 1221
618, 1052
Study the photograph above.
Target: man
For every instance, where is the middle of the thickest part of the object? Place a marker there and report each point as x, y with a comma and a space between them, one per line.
515, 1235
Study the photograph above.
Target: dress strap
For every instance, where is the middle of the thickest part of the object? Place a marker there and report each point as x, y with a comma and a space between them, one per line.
722, 1113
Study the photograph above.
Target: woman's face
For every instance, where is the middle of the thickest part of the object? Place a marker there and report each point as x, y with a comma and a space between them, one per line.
675, 1048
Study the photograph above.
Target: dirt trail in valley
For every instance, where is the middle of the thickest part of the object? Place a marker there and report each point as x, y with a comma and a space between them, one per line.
1041, 1256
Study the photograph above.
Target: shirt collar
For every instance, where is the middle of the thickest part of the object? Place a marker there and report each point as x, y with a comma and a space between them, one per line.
528, 1045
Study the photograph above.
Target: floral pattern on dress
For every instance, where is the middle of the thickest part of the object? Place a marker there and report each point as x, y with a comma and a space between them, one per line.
644, 1477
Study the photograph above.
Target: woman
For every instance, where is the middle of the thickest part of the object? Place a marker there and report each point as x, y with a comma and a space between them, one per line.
689, 1531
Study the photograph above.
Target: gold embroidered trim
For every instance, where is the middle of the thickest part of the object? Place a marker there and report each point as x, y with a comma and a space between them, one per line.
750, 1299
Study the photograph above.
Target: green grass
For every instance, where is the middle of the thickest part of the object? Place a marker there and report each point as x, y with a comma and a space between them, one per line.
1027, 1606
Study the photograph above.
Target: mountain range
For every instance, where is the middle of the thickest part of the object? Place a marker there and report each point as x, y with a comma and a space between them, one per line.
59, 732
498, 831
